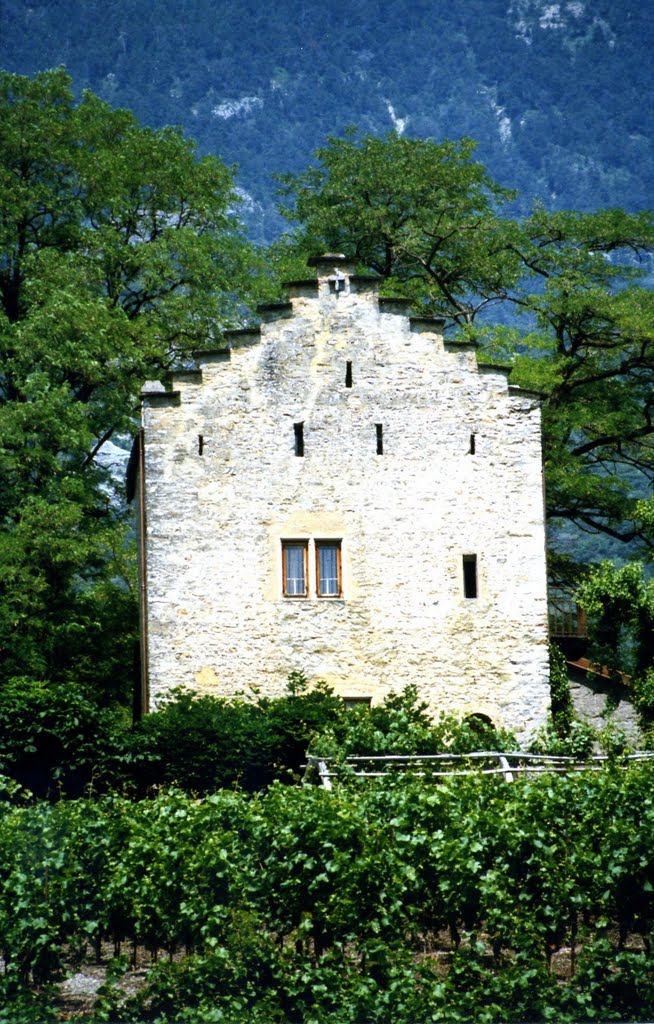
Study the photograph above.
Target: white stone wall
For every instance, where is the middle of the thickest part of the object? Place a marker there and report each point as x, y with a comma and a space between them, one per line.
218, 620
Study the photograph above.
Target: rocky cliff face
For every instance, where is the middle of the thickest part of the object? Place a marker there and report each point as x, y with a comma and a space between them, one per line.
576, 23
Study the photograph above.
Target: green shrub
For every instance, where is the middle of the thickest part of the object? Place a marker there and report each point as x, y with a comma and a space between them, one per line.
202, 744
206, 743
54, 740
401, 724
295, 722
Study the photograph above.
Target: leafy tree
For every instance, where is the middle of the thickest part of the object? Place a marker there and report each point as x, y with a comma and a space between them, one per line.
592, 356
424, 216
119, 254
420, 214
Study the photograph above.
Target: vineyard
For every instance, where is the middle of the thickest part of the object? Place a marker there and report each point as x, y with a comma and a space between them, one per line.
391, 899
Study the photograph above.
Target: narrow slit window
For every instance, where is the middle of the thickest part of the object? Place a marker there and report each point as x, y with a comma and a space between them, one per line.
200, 444
298, 429
328, 568
379, 429
473, 444
470, 576
348, 374
294, 568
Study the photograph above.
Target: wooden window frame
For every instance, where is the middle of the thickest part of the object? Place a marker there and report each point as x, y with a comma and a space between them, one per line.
304, 544
327, 543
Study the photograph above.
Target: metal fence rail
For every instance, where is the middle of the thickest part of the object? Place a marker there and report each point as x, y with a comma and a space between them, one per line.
322, 770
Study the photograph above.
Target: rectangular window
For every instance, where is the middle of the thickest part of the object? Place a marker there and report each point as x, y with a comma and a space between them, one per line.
470, 576
294, 567
328, 568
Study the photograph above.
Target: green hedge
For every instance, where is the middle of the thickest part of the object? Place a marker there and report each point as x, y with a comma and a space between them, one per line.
56, 741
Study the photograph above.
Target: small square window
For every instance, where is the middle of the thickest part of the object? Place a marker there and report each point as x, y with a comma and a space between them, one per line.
294, 567
357, 702
328, 568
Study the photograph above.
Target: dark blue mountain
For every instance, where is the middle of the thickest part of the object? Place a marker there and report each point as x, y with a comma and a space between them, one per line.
557, 94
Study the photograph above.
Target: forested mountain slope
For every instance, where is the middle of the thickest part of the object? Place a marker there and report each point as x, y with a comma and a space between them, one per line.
558, 94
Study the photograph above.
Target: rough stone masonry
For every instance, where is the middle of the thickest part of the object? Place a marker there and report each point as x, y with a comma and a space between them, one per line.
343, 492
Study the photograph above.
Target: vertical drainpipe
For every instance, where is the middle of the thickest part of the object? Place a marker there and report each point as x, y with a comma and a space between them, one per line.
144, 700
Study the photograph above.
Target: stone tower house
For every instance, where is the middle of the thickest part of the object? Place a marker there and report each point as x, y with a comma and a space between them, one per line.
343, 492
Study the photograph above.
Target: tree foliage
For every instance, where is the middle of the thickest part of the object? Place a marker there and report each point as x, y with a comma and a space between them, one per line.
118, 254
620, 606
591, 354
420, 214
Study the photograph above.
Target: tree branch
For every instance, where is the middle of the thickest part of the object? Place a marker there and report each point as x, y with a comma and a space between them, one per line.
96, 448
